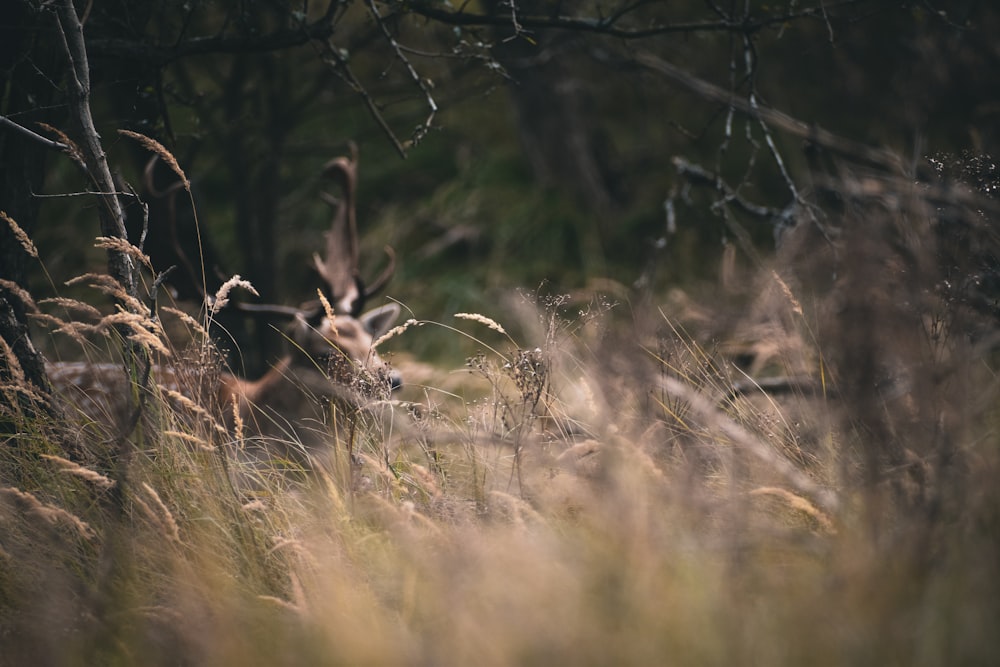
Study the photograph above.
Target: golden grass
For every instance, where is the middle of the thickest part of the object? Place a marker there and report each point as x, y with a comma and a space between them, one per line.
74, 468
159, 149
482, 319
221, 298
19, 234
579, 498
29, 507
123, 246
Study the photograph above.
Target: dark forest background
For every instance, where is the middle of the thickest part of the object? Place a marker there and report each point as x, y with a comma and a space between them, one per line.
749, 417
544, 145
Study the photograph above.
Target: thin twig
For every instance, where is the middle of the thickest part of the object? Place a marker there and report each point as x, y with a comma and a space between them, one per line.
120, 264
817, 135
341, 66
34, 136
611, 27
421, 130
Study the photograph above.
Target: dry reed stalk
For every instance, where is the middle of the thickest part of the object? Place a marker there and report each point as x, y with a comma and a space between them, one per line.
13, 365
238, 423
24, 390
404, 515
77, 470
161, 150
425, 481
332, 491
21, 236
187, 319
22, 294
145, 509
29, 505
75, 330
195, 409
150, 341
101, 282
706, 409
132, 319
190, 439
221, 298
327, 308
299, 551
121, 245
160, 613
72, 150
482, 319
796, 306
395, 331
799, 503
165, 518
73, 304
299, 603
143, 330
134, 305
425, 522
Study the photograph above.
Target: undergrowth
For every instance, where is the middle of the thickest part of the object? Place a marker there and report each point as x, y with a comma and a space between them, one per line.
613, 489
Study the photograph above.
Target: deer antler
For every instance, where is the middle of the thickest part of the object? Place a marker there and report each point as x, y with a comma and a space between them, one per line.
339, 268
383, 279
147, 180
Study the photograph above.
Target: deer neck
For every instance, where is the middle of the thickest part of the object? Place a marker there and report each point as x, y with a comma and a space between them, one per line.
246, 393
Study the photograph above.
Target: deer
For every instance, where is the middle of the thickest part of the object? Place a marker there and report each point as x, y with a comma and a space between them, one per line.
332, 355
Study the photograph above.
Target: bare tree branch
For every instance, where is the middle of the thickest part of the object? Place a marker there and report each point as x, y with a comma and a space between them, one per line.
323, 28
698, 175
817, 135
333, 57
160, 55
78, 77
34, 136
424, 127
611, 25
112, 216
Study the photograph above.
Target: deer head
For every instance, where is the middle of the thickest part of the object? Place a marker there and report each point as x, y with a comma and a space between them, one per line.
349, 334
345, 334
336, 337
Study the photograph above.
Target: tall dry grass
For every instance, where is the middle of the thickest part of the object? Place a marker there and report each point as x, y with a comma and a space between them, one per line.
594, 494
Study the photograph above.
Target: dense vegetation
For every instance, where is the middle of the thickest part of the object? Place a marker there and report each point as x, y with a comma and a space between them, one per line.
699, 365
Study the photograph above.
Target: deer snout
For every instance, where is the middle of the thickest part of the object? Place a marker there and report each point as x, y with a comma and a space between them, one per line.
395, 381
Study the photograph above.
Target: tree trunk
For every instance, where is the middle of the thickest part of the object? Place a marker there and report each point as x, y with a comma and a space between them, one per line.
562, 142
29, 62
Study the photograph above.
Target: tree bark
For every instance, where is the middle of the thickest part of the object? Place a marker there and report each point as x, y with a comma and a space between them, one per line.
121, 266
28, 64
112, 215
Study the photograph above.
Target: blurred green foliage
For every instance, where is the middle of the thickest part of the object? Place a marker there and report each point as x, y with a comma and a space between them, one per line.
467, 211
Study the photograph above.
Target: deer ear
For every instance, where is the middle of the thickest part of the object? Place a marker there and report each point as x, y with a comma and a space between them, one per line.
379, 320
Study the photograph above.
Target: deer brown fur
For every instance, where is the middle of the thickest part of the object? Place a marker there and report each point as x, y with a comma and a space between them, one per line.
331, 348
